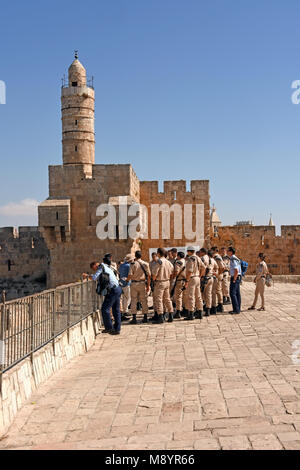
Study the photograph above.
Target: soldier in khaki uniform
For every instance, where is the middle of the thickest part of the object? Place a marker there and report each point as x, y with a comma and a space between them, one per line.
179, 282
139, 275
195, 268
211, 268
226, 276
260, 281
217, 292
172, 257
152, 264
161, 277
204, 256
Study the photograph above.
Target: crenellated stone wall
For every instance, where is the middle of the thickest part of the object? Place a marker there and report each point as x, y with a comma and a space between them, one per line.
282, 252
24, 261
176, 193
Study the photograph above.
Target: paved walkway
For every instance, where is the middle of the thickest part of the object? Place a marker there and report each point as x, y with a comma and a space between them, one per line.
225, 382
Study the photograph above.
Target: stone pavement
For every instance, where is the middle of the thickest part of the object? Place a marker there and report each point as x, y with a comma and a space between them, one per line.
227, 382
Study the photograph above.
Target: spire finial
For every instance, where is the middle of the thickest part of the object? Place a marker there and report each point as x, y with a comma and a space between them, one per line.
76, 54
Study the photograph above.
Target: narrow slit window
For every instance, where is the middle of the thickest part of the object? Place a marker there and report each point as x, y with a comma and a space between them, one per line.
74, 83
76, 148
63, 234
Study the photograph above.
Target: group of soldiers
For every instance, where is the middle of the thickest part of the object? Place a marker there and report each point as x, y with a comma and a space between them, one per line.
191, 286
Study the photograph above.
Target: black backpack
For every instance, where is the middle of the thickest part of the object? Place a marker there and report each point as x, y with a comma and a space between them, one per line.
103, 282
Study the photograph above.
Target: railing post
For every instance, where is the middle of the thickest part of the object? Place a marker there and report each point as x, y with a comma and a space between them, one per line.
31, 320
53, 321
81, 304
69, 313
2, 337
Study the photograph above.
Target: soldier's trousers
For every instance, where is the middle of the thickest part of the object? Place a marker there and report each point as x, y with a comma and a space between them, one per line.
217, 291
194, 297
172, 282
154, 302
138, 294
208, 293
226, 284
162, 297
178, 294
260, 291
125, 299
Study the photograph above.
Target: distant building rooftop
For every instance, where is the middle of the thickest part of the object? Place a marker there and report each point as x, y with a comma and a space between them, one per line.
244, 222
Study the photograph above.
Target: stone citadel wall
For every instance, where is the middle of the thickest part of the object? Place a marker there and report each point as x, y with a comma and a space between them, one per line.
176, 193
24, 259
282, 252
68, 219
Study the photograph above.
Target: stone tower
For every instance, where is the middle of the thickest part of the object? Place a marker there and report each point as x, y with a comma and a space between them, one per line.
69, 218
77, 108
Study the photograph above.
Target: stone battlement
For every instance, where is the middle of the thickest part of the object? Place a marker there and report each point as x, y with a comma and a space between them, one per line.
198, 188
282, 252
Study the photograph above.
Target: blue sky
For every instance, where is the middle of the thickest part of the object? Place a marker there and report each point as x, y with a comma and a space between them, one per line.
185, 89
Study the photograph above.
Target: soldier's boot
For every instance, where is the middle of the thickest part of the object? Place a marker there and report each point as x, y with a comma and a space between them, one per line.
224, 299
145, 319
207, 313
154, 318
133, 321
185, 312
177, 314
205, 308
160, 319
227, 301
220, 308
170, 319
199, 314
213, 311
190, 316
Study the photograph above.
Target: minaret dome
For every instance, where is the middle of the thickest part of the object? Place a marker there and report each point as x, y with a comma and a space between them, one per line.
77, 74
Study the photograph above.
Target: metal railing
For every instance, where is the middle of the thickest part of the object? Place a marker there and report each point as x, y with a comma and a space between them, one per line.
89, 82
29, 323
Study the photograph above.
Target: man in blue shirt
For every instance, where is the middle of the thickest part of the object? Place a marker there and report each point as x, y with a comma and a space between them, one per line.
235, 281
111, 297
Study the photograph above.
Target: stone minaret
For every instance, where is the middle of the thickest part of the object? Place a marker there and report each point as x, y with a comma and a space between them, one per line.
77, 108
